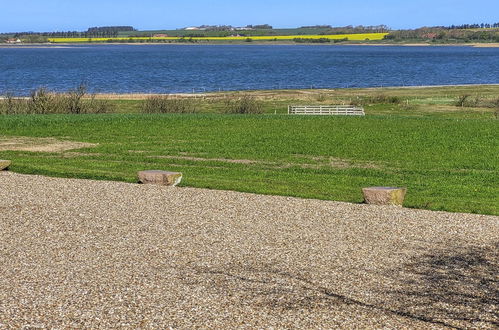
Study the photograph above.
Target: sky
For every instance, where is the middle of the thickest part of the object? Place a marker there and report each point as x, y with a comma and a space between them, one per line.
65, 15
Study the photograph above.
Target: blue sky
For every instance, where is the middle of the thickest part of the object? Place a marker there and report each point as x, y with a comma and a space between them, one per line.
56, 15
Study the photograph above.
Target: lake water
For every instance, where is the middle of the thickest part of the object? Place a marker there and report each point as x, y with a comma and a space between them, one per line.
199, 68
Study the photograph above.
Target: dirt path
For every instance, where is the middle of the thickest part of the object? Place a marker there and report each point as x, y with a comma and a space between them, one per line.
79, 253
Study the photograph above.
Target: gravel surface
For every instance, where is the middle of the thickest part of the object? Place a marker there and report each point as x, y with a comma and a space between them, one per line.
81, 253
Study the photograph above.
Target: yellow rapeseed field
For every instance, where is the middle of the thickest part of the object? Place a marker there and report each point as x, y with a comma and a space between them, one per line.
353, 37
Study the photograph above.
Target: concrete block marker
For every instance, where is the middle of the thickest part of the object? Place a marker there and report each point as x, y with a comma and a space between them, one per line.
384, 195
4, 164
163, 178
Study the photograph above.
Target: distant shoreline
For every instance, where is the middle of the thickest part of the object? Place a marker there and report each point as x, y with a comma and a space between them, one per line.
71, 45
140, 96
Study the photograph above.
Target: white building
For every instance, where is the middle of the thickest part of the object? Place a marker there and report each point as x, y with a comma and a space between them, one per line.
13, 41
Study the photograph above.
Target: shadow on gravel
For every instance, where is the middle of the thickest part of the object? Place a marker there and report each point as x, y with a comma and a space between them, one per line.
456, 288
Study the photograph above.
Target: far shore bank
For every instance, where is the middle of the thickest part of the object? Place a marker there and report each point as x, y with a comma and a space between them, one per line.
274, 92
141, 96
254, 43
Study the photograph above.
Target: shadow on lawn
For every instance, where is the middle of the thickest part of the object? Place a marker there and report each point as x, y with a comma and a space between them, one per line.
455, 288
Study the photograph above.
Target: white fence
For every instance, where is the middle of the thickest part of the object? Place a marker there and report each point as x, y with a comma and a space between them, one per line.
339, 110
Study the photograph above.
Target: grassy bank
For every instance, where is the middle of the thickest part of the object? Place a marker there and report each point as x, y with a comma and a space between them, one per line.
481, 102
447, 162
453, 102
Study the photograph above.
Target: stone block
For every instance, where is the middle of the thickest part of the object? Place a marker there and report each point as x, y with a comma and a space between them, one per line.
4, 164
384, 195
163, 178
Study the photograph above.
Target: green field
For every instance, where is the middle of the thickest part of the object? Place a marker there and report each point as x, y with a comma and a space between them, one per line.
445, 155
360, 37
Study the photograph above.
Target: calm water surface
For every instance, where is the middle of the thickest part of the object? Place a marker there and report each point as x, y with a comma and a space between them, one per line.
186, 68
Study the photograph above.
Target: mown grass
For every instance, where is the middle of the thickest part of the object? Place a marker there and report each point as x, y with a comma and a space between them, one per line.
447, 163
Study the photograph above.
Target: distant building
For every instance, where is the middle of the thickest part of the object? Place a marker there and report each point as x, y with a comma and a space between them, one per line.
13, 41
160, 35
192, 28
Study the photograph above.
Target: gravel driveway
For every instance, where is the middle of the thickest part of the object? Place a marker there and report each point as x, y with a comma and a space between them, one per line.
81, 253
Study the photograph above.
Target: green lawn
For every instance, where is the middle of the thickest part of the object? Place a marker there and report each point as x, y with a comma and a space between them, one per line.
446, 163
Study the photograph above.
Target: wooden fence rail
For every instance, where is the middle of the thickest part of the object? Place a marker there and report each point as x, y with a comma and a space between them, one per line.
340, 110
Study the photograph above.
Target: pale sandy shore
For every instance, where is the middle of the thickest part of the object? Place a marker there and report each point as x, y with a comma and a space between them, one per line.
479, 45
484, 45
90, 254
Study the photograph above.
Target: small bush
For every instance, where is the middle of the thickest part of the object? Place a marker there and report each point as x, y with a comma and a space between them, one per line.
78, 102
476, 101
74, 100
11, 105
42, 101
165, 104
244, 105
462, 100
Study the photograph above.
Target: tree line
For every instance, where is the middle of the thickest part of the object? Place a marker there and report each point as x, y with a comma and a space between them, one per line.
93, 32
445, 34
472, 26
